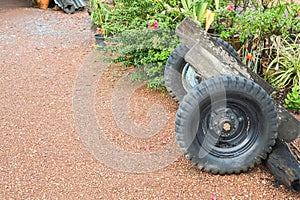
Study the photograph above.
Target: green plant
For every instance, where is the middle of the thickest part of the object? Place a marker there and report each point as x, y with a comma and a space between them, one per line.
100, 12
261, 23
286, 61
129, 15
292, 100
147, 49
143, 36
201, 10
256, 26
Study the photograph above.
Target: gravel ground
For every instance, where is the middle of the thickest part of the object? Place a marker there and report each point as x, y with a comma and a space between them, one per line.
56, 95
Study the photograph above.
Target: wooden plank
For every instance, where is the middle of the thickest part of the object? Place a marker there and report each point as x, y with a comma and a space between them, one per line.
210, 61
289, 126
284, 166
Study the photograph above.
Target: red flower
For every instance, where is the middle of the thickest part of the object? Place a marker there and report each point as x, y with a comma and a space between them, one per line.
249, 57
230, 7
154, 25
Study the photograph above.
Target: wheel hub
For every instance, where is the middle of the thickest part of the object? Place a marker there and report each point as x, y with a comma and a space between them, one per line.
227, 126
224, 122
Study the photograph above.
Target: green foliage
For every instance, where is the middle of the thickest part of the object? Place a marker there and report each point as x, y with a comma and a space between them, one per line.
142, 36
99, 11
277, 20
293, 99
128, 15
286, 62
262, 22
203, 11
147, 50
256, 27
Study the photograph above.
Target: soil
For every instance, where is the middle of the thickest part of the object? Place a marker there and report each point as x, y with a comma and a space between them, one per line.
59, 101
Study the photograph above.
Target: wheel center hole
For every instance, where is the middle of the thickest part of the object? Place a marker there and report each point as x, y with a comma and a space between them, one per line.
226, 127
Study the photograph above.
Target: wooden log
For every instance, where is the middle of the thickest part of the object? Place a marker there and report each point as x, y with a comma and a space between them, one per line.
284, 166
289, 126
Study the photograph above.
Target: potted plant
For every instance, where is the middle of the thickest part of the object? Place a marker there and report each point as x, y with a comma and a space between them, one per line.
99, 15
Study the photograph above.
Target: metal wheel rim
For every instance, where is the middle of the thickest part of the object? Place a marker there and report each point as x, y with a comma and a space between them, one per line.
240, 141
189, 77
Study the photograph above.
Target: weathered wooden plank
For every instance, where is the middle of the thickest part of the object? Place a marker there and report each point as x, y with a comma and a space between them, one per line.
284, 166
289, 126
208, 63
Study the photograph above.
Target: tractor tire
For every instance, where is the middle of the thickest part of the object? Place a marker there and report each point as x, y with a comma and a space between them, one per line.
226, 124
179, 77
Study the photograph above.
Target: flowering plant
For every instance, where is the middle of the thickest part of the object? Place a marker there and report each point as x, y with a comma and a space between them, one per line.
230, 7
278, 20
99, 12
153, 24
144, 36
225, 20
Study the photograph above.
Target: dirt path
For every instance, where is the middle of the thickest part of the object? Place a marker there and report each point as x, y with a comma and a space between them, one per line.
64, 134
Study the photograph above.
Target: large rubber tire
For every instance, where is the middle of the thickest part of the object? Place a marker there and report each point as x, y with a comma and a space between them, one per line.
226, 124
173, 71
175, 66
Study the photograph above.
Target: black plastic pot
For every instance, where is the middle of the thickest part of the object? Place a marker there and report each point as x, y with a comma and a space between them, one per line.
100, 40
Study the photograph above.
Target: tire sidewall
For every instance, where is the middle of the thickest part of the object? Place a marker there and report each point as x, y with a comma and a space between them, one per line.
173, 73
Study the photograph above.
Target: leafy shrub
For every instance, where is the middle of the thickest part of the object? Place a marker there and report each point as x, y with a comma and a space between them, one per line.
147, 50
257, 27
286, 62
144, 35
128, 15
263, 22
293, 99
99, 12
